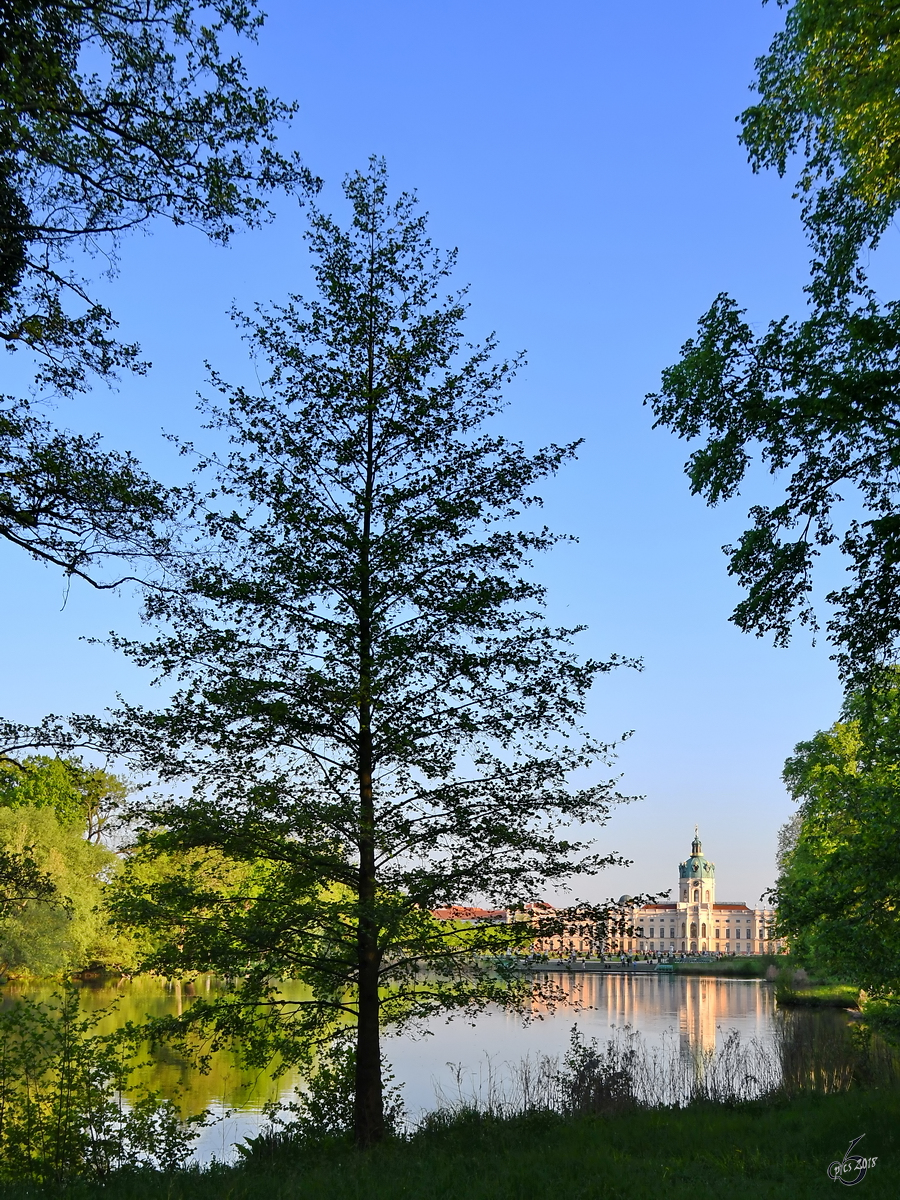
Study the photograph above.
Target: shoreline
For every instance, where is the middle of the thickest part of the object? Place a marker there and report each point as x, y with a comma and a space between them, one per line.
741, 968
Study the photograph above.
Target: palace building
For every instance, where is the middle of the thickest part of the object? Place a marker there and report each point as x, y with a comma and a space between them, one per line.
696, 922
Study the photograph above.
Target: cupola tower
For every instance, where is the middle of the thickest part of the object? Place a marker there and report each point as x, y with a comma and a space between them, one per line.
697, 876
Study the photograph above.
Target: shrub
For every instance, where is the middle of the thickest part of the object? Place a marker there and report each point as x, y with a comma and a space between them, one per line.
63, 1111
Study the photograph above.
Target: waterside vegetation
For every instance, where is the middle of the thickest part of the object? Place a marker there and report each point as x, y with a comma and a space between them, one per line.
601, 1123
754, 1150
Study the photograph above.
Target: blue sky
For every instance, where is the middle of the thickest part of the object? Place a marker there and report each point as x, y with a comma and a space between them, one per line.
584, 159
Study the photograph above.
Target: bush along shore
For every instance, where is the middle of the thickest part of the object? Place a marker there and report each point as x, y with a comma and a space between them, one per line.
818, 995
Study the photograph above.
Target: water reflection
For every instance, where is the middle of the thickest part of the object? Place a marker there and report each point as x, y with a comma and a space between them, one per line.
225, 1085
699, 1010
698, 1007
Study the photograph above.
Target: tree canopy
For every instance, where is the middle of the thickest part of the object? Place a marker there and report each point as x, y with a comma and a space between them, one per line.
814, 400
112, 113
817, 401
62, 927
81, 796
370, 700
22, 880
829, 94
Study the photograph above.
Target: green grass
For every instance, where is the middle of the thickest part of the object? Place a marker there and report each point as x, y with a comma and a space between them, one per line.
752, 967
824, 995
705, 1153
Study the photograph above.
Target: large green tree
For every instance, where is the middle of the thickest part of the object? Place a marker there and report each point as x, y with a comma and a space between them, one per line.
838, 891
22, 880
53, 869
369, 697
112, 113
85, 797
815, 399
61, 925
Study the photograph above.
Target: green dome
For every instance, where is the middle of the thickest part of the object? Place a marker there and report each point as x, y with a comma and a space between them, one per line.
697, 866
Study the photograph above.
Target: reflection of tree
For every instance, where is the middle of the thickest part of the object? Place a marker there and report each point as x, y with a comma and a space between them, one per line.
818, 1053
173, 1075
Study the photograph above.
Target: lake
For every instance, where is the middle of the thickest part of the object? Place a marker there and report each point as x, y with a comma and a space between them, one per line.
683, 1018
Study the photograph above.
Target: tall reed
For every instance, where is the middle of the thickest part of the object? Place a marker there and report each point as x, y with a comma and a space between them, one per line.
808, 1055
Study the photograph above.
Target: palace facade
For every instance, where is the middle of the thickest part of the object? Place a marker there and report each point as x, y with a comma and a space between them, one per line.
695, 923
698, 923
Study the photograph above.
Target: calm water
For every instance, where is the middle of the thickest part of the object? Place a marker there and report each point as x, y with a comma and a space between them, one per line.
690, 1014
693, 1013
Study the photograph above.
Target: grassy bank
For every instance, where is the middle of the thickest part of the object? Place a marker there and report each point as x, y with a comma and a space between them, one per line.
704, 1151
818, 995
794, 989
754, 967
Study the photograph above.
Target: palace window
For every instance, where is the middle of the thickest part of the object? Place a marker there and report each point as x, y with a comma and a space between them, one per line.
703, 930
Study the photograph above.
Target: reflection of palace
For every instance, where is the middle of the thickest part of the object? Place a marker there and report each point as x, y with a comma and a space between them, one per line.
694, 1008
696, 922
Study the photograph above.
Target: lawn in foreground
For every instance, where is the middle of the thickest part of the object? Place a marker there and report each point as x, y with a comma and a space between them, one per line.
778, 1150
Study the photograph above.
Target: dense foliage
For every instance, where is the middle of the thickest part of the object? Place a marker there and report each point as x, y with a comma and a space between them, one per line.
54, 868
839, 887
66, 930
369, 699
817, 399
113, 112
63, 1108
81, 796
21, 880
828, 94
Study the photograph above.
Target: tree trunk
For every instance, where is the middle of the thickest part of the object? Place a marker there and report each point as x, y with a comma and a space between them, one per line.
368, 1106
368, 1101
368, 1115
